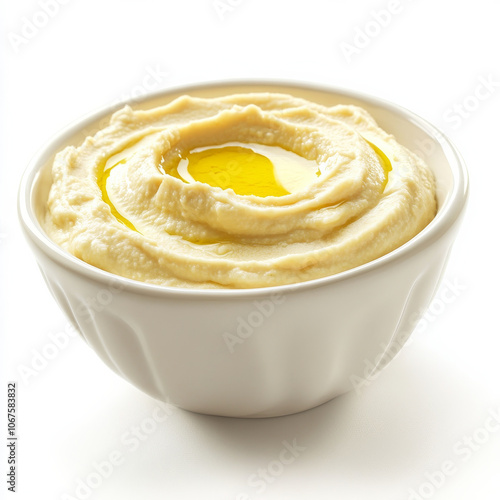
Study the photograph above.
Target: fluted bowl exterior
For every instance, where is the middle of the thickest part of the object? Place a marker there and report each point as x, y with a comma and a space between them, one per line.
259, 352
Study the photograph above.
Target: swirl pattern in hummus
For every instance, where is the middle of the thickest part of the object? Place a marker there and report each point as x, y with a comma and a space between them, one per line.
138, 221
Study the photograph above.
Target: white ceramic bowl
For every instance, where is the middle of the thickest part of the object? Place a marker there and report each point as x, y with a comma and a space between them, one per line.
258, 352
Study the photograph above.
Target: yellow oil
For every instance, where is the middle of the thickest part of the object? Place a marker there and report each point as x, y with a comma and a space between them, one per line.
102, 179
247, 169
236, 168
384, 162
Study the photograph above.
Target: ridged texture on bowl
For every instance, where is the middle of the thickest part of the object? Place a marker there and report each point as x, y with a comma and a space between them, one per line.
306, 348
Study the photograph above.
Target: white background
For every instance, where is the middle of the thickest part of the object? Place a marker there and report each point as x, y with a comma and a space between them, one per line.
382, 442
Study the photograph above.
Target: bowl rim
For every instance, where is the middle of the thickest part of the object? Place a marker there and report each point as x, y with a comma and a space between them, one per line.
445, 218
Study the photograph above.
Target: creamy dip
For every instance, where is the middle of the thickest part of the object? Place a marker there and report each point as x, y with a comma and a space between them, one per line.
248, 190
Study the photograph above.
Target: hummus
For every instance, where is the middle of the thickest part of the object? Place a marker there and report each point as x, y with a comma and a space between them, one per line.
247, 190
